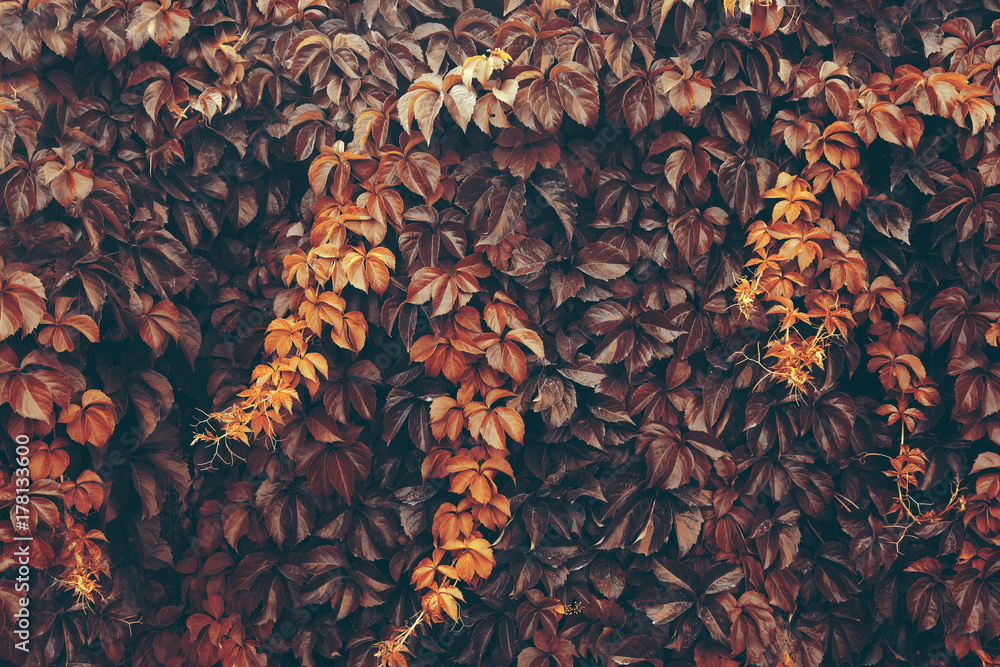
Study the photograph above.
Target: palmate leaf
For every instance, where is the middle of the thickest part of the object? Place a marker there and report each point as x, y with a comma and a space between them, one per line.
22, 303
506, 206
335, 466
86, 493
288, 512
743, 183
92, 421
494, 424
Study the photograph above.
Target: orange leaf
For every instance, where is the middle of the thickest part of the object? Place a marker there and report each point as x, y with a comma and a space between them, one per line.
427, 570
451, 523
472, 558
48, 460
441, 599
91, 422
86, 493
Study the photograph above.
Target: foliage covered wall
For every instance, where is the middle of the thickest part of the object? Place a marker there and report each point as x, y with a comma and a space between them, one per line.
571, 332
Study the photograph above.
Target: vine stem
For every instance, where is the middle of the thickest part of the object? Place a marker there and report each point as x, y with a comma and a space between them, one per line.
392, 647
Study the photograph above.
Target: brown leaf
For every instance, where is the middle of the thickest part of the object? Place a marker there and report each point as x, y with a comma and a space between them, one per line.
602, 261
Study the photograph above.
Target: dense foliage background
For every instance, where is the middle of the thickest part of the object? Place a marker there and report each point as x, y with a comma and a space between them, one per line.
545, 333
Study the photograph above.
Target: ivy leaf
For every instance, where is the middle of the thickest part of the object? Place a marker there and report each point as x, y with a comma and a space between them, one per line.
506, 206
